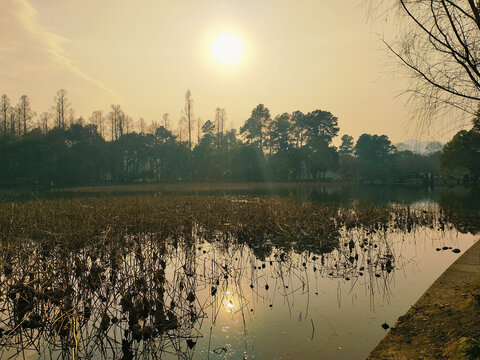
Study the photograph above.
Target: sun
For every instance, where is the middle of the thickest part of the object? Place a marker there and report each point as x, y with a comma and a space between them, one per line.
227, 49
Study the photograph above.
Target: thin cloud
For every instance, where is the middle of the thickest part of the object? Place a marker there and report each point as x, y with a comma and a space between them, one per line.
28, 48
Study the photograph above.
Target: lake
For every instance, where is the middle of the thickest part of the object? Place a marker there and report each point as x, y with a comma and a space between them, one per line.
288, 272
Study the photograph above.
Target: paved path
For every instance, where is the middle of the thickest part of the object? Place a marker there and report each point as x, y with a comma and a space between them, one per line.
444, 313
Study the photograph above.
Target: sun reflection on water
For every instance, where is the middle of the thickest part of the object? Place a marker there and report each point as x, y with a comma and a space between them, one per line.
232, 303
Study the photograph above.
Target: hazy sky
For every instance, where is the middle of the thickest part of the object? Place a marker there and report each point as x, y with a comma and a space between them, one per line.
144, 55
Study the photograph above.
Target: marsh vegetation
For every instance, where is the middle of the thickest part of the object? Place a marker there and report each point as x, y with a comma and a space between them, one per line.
202, 276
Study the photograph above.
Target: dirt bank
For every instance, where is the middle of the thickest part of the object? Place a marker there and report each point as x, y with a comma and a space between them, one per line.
445, 313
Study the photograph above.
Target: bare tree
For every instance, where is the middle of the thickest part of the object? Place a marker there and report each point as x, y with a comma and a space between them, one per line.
13, 119
70, 117
223, 117
62, 108
199, 125
153, 127
98, 120
116, 121
25, 112
165, 120
80, 121
142, 125
128, 123
438, 41
220, 118
4, 112
188, 114
18, 120
44, 119
182, 126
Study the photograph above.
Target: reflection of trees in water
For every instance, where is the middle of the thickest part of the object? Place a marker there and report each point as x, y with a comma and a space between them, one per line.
462, 208
345, 194
147, 294
103, 301
334, 193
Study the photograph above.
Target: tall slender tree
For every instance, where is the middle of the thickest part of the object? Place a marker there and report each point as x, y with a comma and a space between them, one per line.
143, 125
13, 119
220, 116
188, 114
98, 120
182, 127
128, 121
44, 119
62, 107
166, 120
199, 126
25, 113
18, 120
70, 117
4, 109
116, 119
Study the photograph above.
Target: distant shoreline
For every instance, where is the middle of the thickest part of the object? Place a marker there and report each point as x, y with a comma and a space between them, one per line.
233, 185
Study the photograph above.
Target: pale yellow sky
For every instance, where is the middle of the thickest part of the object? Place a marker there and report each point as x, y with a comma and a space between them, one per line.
144, 55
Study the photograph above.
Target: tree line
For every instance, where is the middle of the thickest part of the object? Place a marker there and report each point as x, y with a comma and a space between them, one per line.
62, 149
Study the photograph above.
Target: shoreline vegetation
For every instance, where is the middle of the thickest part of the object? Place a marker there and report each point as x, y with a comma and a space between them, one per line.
282, 188
109, 149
